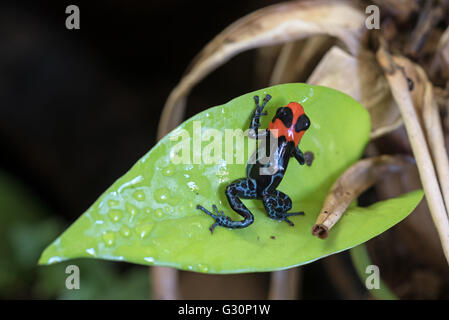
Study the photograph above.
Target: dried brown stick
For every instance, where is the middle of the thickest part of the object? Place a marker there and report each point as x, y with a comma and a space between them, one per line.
264, 62
164, 283
435, 136
342, 279
297, 59
400, 90
285, 284
288, 52
443, 46
164, 280
355, 180
429, 17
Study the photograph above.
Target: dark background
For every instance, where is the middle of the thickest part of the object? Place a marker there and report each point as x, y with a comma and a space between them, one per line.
79, 107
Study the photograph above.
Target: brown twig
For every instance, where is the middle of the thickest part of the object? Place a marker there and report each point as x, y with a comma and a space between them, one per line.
285, 284
355, 180
297, 59
429, 17
164, 283
400, 89
435, 136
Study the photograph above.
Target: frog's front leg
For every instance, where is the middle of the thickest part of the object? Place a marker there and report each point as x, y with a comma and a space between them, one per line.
277, 204
303, 158
241, 188
255, 120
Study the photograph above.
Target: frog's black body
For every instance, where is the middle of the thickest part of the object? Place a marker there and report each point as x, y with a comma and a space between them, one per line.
282, 136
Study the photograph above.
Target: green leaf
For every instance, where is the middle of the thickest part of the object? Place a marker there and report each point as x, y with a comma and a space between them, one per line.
149, 215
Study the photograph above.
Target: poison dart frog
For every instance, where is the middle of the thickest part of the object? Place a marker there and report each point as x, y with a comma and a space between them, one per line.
284, 133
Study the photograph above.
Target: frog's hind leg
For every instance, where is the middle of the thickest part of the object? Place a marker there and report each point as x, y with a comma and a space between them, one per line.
241, 188
277, 204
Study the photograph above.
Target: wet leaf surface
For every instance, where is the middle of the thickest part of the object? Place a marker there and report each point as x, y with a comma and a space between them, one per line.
149, 215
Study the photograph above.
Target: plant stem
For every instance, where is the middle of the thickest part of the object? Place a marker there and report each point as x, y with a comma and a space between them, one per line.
360, 260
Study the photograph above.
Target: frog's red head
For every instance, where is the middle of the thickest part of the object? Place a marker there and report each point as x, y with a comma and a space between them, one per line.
291, 122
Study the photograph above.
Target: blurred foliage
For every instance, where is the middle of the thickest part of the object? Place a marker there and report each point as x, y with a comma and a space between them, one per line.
27, 226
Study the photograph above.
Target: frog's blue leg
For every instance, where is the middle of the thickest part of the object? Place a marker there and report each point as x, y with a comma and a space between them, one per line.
277, 204
241, 188
255, 120
299, 156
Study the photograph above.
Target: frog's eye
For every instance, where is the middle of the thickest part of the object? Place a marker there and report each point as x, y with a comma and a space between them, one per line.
285, 115
303, 123
277, 114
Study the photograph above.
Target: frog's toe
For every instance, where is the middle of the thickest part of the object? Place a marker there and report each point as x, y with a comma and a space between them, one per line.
220, 218
300, 213
219, 213
285, 216
199, 207
212, 227
289, 222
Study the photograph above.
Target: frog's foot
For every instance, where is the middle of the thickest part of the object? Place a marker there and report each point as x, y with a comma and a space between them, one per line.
308, 157
220, 218
277, 204
259, 108
257, 116
258, 113
284, 217
242, 188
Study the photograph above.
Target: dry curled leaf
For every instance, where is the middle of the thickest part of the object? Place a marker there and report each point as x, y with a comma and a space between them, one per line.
265, 60
355, 180
361, 78
272, 25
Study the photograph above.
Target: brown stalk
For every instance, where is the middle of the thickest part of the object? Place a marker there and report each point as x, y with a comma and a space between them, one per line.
443, 47
264, 64
355, 180
297, 59
164, 283
400, 86
284, 284
435, 136
419, 224
429, 17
